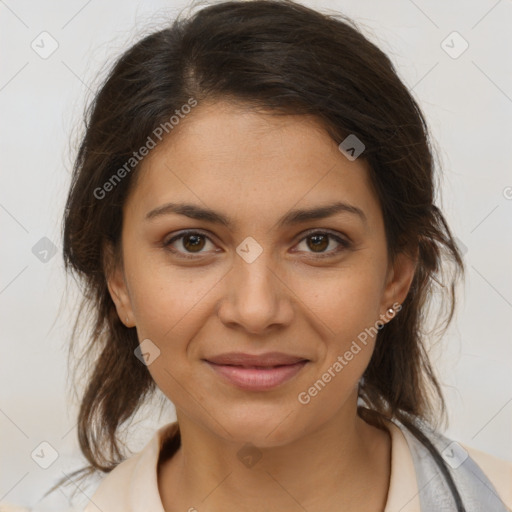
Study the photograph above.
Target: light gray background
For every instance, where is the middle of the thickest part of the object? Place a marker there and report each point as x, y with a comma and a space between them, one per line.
468, 104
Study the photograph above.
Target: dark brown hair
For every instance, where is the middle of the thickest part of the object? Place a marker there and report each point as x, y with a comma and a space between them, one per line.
278, 56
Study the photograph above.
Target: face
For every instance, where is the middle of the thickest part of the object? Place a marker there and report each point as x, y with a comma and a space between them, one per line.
266, 278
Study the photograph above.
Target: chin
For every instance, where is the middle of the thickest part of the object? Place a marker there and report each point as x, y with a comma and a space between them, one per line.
260, 426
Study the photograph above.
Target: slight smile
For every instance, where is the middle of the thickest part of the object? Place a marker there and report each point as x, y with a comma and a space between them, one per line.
256, 372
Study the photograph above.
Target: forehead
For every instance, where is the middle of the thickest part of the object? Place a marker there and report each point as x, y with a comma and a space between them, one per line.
229, 157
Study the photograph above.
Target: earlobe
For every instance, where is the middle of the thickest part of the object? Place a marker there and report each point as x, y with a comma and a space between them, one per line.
117, 287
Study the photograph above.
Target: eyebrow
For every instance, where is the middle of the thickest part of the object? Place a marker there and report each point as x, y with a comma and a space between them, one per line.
293, 217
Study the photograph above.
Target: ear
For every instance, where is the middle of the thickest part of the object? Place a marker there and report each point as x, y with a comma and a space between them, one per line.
117, 287
399, 279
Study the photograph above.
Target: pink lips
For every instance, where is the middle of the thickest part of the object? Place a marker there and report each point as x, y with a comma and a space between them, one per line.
256, 372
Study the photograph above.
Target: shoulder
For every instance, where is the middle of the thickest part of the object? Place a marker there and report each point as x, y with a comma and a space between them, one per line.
133, 484
497, 470
7, 507
111, 493
482, 479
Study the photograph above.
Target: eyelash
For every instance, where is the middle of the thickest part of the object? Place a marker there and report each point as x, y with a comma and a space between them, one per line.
345, 244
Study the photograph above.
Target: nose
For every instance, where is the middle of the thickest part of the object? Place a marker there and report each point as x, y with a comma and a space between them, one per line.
256, 296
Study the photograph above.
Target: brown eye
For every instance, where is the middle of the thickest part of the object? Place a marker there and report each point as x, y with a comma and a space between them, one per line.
319, 241
192, 242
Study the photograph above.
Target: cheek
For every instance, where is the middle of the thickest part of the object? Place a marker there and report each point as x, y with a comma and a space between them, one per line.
170, 311
171, 305
346, 301
167, 300
349, 308
175, 306
346, 306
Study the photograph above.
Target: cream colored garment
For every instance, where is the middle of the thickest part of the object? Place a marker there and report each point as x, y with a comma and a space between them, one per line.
132, 486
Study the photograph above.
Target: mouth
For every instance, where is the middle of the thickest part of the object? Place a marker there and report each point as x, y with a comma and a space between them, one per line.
257, 377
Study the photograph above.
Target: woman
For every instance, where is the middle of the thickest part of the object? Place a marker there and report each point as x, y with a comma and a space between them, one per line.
252, 216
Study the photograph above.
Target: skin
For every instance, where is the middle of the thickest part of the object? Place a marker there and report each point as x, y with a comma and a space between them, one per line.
255, 168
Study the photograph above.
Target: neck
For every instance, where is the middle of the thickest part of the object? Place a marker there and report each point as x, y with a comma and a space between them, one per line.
343, 465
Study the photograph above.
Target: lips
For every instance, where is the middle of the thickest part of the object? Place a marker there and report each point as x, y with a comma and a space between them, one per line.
256, 372
268, 359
